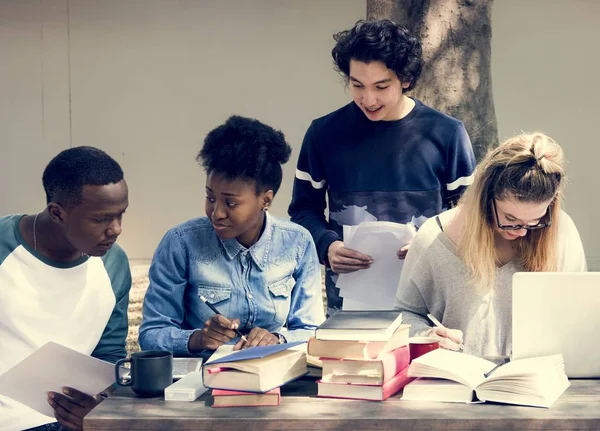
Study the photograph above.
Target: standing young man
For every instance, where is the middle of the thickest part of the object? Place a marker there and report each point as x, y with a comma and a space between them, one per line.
63, 279
384, 156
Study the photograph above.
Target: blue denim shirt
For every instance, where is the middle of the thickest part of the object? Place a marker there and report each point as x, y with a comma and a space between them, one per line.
275, 284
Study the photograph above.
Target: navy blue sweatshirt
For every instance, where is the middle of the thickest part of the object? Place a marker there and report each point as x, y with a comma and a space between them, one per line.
401, 171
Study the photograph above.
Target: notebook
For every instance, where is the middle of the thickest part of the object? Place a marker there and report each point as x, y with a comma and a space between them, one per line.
378, 325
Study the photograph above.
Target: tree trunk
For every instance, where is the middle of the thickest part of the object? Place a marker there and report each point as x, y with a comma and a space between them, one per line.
456, 79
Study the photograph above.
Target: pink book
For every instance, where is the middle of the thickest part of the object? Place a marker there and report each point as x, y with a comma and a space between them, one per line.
374, 372
224, 398
364, 392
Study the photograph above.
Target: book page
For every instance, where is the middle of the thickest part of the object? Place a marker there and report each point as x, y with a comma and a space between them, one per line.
533, 381
447, 364
528, 367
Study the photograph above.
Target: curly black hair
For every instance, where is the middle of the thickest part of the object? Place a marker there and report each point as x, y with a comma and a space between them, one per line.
71, 169
245, 148
379, 40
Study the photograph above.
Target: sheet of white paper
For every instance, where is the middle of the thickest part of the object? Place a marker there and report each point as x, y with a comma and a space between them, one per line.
348, 231
50, 368
376, 286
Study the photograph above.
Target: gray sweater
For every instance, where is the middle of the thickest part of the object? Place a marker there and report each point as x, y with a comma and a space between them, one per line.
435, 280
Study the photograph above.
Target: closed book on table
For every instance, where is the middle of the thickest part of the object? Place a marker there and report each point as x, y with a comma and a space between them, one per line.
534, 382
364, 392
364, 325
355, 349
257, 369
374, 372
223, 398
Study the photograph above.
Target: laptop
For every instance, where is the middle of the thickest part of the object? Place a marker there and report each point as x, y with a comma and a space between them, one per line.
557, 312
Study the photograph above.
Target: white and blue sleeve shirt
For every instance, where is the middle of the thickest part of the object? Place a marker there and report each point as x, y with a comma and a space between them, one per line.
81, 305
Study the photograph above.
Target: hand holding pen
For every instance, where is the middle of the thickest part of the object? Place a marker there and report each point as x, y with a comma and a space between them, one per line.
233, 326
451, 339
217, 331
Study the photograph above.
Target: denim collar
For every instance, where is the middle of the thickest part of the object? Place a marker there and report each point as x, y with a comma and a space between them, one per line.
259, 250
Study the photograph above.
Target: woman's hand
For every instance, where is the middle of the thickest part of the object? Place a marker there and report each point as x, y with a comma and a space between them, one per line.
450, 339
217, 331
257, 337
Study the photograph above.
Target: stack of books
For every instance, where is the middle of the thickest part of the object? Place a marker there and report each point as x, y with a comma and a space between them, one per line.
365, 355
252, 377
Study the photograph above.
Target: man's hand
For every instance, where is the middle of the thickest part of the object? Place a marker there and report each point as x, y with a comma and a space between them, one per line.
403, 251
343, 260
257, 337
217, 331
71, 406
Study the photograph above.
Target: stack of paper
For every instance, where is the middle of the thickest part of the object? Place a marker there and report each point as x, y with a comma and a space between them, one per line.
374, 288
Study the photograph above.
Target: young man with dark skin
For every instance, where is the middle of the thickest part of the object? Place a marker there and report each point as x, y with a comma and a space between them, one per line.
385, 156
63, 279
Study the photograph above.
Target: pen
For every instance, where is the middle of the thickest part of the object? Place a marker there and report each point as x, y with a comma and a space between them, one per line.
504, 361
437, 323
214, 309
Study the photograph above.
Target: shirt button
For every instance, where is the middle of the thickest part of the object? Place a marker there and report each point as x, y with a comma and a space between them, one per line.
249, 296
212, 295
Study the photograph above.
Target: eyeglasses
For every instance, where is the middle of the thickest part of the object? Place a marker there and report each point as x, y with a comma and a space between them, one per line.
540, 225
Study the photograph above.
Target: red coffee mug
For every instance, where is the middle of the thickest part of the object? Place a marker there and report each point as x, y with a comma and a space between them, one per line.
418, 346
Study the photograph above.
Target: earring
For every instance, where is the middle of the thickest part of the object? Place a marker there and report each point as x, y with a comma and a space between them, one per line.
265, 209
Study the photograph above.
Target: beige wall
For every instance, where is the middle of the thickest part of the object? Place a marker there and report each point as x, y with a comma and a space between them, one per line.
545, 70
147, 80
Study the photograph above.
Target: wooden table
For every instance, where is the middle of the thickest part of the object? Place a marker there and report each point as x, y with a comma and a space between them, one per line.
577, 409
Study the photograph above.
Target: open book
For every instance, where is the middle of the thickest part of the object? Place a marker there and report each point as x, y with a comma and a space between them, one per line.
256, 369
534, 382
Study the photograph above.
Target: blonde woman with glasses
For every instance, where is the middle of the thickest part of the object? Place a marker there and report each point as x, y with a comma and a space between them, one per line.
461, 263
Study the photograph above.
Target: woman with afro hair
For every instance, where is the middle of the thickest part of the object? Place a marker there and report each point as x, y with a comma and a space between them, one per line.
262, 273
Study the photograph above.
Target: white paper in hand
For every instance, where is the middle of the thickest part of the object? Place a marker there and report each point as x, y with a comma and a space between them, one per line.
376, 286
50, 368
